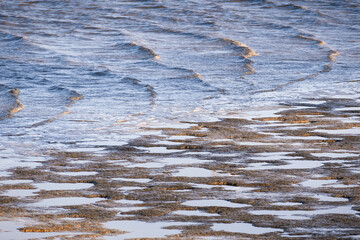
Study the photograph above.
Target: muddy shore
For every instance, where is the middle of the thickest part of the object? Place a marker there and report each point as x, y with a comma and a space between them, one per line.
288, 172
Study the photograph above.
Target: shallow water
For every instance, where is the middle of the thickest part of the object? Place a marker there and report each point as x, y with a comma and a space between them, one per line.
303, 214
243, 228
63, 201
95, 72
215, 202
9, 230
85, 84
137, 229
195, 213
194, 172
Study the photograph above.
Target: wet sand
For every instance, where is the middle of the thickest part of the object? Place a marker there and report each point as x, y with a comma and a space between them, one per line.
287, 172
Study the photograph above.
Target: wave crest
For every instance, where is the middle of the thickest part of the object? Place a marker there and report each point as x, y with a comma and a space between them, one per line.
10, 104
247, 52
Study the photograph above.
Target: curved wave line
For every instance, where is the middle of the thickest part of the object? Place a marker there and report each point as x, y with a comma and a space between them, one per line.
50, 120
292, 6
143, 49
333, 54
245, 51
249, 52
326, 68
73, 99
194, 75
249, 67
148, 87
320, 42
128, 119
148, 50
17, 106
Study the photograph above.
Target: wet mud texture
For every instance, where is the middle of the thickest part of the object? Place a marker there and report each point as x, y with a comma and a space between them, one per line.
293, 174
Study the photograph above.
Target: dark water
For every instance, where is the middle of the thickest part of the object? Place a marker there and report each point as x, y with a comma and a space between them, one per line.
98, 71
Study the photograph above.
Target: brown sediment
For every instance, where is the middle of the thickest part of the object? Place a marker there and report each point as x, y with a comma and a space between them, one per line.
242, 162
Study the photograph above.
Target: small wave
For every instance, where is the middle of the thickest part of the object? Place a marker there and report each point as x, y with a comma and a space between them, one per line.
18, 106
153, 7
105, 72
332, 55
194, 76
50, 120
141, 50
249, 67
292, 7
162, 29
148, 87
72, 97
320, 42
7, 37
247, 52
10, 103
326, 68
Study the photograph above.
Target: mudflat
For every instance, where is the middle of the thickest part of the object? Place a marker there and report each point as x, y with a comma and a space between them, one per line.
287, 172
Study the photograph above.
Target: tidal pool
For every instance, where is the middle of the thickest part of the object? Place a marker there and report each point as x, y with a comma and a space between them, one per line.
21, 193
9, 230
286, 204
194, 172
48, 186
64, 201
241, 227
137, 180
335, 155
306, 214
297, 164
349, 131
13, 182
195, 213
84, 173
214, 203
318, 183
138, 229
159, 150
